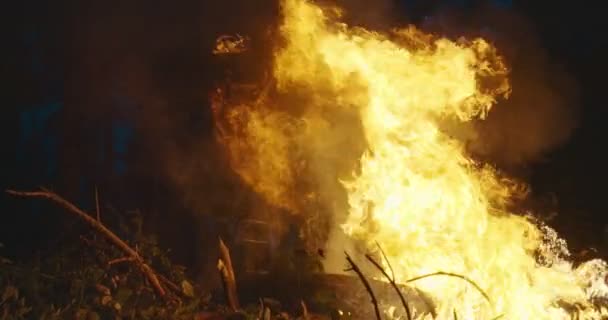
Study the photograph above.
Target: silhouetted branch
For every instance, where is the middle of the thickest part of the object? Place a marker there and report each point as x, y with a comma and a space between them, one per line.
145, 269
388, 262
392, 282
97, 212
449, 274
355, 268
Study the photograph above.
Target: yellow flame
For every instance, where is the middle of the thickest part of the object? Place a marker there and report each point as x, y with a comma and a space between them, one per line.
415, 189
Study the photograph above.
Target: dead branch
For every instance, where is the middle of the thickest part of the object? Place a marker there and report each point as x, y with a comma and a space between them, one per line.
355, 268
97, 205
450, 274
392, 282
388, 262
170, 284
224, 265
145, 269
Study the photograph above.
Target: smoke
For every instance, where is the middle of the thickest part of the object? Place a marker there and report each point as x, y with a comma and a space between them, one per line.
542, 110
160, 57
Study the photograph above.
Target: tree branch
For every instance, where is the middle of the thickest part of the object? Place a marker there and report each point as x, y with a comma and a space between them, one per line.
393, 284
455, 275
356, 269
145, 269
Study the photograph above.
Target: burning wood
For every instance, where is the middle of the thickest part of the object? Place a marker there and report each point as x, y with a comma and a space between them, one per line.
368, 118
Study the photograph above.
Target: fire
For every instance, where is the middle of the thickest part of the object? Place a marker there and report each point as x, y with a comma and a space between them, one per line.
414, 189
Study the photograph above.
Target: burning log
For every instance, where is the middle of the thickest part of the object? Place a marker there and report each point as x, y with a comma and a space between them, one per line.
132, 255
224, 265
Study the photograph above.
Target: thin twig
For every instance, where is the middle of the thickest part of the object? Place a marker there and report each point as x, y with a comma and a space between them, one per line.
355, 268
388, 262
450, 274
97, 205
170, 284
120, 260
393, 284
111, 236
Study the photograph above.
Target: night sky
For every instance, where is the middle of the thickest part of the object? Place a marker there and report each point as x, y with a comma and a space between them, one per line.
114, 94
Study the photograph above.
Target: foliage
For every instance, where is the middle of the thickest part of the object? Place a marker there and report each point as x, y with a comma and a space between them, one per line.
89, 279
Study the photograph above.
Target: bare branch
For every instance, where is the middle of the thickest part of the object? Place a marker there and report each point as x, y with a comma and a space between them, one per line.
393, 284
449, 274
356, 269
388, 262
99, 227
97, 205
170, 284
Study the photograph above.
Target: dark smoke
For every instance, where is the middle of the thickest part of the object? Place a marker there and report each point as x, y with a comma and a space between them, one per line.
149, 64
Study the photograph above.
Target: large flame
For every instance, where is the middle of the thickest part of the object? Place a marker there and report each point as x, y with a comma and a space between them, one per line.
415, 190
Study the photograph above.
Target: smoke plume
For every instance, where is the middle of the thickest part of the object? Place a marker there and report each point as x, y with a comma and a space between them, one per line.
542, 110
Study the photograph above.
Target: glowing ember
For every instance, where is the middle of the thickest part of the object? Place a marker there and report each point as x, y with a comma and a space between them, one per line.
414, 190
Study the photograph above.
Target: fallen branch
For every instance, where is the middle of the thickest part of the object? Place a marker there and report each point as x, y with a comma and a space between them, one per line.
145, 269
224, 266
449, 274
355, 268
392, 282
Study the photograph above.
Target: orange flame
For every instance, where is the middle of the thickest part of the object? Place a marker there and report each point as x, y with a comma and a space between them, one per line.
415, 190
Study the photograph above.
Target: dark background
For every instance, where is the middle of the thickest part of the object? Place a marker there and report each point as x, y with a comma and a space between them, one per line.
114, 94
